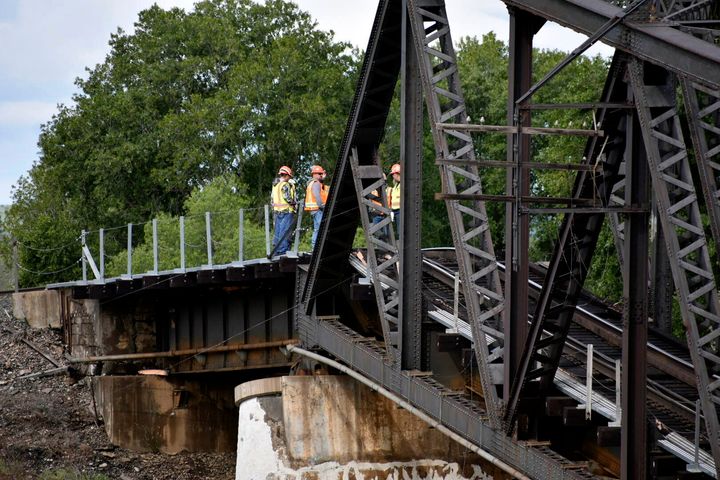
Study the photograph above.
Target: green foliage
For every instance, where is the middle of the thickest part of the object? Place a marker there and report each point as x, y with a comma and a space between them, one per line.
70, 474
194, 112
10, 469
235, 87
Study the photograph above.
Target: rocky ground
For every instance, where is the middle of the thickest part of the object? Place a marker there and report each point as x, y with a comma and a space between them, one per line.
48, 428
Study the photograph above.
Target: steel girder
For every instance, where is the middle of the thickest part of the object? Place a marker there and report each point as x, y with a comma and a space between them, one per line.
574, 250
411, 161
655, 42
684, 233
633, 434
703, 107
383, 257
468, 220
364, 131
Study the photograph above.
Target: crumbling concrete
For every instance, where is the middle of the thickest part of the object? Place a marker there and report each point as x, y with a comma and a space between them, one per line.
157, 414
40, 309
333, 428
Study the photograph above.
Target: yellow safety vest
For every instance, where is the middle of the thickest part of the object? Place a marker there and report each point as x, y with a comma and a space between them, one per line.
394, 197
278, 200
311, 203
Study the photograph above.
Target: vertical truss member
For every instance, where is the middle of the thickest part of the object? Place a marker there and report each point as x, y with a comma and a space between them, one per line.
684, 233
383, 258
461, 181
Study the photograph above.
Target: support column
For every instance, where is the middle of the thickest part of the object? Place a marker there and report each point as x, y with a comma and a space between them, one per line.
634, 362
411, 162
662, 287
523, 27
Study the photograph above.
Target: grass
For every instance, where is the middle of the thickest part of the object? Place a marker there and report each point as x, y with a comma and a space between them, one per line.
66, 474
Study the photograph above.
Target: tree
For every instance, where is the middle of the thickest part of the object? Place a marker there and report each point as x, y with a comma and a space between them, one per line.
234, 87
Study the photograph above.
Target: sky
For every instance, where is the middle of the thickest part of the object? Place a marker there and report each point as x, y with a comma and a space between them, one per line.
47, 44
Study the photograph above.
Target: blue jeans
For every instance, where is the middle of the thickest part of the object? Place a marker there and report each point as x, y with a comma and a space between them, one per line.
383, 231
317, 218
283, 224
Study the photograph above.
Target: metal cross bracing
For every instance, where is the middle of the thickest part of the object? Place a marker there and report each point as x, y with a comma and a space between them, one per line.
383, 258
703, 108
684, 231
468, 218
573, 252
661, 43
691, 16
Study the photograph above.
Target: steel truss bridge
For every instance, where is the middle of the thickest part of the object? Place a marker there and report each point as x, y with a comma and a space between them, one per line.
636, 146
515, 358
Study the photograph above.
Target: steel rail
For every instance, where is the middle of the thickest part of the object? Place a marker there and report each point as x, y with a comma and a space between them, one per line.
656, 391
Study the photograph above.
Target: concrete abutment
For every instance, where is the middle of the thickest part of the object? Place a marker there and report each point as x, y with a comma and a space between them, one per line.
331, 427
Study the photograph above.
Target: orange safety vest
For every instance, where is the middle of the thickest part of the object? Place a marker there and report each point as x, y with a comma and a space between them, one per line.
311, 203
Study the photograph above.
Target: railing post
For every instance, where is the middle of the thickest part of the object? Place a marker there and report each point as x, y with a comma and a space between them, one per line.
456, 302
84, 260
129, 250
267, 231
588, 382
241, 235
155, 245
618, 399
694, 466
102, 254
182, 243
208, 237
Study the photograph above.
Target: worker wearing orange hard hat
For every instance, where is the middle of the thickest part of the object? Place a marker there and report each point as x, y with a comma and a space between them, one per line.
394, 197
316, 197
284, 200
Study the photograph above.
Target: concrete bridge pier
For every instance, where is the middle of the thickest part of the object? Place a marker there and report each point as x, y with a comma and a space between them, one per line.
329, 427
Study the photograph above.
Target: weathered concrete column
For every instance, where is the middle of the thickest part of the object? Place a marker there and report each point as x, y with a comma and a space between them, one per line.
332, 427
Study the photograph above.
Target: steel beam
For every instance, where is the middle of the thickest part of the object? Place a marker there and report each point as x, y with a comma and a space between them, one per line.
452, 409
365, 128
654, 42
703, 105
468, 220
685, 239
633, 435
411, 161
523, 27
382, 253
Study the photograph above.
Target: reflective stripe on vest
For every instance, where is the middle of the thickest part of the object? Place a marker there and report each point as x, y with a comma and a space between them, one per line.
279, 203
311, 203
394, 197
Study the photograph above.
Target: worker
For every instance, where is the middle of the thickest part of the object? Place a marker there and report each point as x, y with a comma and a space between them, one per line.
394, 197
283, 201
315, 198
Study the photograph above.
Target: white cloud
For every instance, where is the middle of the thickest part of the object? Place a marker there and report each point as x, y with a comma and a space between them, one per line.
51, 41
28, 113
46, 44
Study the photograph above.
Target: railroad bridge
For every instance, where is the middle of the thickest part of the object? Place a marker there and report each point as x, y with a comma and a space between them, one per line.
514, 359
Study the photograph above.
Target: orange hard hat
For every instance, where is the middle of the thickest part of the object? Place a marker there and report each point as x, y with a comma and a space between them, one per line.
317, 169
285, 170
395, 169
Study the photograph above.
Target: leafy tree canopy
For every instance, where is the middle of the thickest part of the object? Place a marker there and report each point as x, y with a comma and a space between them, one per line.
233, 87
195, 112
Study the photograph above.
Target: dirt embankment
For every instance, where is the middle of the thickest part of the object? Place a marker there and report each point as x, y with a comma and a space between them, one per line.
48, 428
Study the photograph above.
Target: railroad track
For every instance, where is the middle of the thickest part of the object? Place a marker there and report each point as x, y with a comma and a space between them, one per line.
672, 390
